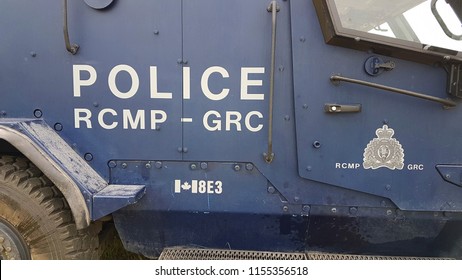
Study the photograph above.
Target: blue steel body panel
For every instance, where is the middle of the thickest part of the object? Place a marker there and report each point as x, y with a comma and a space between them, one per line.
429, 134
302, 200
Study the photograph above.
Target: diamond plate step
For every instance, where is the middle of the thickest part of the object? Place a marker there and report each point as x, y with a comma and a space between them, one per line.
181, 253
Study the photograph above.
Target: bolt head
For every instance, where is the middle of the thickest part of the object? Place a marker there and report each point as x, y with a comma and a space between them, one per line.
285, 208
193, 166
249, 167
237, 167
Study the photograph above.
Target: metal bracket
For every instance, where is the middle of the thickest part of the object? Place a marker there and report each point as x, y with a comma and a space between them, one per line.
451, 173
454, 85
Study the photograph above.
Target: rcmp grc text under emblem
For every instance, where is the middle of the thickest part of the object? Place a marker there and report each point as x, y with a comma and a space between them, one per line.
384, 151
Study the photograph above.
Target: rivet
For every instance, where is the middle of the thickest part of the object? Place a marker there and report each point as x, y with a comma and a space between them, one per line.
237, 167
2, 239
95, 104
333, 210
317, 144
287, 118
33, 54
281, 68
193, 166
38, 113
285, 208
305, 106
447, 176
204, 165
180, 149
306, 208
296, 199
353, 210
124, 165
388, 187
357, 39
302, 39
185, 150
8, 249
112, 164
389, 212
249, 167
309, 168
385, 121
88, 157
179, 61
185, 62
271, 190
156, 32
3, 113
447, 57
383, 203
148, 165
58, 127
158, 164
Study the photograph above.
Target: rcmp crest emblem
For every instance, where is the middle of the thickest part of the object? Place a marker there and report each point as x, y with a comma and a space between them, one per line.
384, 151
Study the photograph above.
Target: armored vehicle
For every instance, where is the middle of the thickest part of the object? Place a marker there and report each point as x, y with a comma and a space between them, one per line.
285, 127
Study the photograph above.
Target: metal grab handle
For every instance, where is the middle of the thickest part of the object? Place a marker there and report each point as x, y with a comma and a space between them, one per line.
445, 102
273, 8
72, 48
441, 22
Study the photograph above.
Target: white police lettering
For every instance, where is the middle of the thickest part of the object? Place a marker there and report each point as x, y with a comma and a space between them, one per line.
198, 187
249, 90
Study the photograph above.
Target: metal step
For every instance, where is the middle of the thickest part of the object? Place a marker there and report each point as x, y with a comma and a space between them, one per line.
181, 253
209, 254
115, 197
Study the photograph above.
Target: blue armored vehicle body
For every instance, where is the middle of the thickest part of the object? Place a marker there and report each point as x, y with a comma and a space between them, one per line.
289, 126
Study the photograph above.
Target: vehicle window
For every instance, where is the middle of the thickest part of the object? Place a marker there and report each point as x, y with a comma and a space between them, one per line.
426, 24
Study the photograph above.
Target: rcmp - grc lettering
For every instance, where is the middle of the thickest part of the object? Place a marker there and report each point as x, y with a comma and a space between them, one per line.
85, 76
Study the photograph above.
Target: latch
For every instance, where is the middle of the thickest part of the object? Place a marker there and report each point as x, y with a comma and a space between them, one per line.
337, 108
375, 66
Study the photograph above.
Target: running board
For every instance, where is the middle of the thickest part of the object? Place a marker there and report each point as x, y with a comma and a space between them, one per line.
211, 254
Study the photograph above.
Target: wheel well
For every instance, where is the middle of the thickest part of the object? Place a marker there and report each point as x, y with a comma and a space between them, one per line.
8, 149
16, 144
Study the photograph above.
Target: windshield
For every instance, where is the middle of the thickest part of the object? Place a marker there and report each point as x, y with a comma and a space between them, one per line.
432, 23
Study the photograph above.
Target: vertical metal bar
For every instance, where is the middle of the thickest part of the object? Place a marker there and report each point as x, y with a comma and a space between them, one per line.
273, 8
72, 48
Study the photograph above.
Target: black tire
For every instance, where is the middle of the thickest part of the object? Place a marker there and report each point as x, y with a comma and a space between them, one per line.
35, 220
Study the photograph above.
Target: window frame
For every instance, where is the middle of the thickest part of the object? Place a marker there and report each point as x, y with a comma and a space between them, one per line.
335, 34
